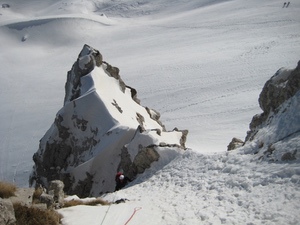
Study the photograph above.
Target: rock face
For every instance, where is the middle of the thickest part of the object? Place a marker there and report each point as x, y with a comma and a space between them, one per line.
235, 143
275, 134
56, 189
101, 129
7, 215
48, 200
23, 196
282, 86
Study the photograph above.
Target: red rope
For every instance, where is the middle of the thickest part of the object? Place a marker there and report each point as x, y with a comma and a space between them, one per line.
135, 209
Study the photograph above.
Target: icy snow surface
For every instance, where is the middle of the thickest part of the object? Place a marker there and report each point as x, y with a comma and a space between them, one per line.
201, 64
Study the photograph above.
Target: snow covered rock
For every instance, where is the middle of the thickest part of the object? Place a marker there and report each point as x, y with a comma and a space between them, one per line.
100, 130
282, 86
275, 134
235, 143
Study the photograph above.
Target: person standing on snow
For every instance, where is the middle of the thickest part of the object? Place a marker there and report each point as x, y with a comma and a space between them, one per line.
121, 181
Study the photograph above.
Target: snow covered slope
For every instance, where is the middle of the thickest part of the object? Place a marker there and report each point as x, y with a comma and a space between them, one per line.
239, 187
195, 188
201, 67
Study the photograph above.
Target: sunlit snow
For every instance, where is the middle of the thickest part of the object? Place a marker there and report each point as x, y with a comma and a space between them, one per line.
201, 64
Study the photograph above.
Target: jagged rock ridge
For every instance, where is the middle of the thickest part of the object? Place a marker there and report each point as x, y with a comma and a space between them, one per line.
100, 130
275, 134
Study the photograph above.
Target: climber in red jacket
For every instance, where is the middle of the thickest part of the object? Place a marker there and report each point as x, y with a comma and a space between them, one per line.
121, 181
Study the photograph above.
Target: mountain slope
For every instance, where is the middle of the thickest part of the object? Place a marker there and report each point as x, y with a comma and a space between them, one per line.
193, 66
202, 68
257, 183
194, 188
100, 130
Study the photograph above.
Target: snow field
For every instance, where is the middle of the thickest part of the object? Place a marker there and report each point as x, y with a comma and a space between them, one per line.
206, 189
201, 65
202, 68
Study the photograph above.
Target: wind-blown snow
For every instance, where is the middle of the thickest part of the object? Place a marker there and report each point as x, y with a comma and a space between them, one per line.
201, 65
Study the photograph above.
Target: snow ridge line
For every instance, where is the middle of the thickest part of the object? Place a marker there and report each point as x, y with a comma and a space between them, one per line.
37, 21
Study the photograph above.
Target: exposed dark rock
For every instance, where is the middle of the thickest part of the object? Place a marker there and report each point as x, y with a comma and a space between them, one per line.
83, 187
282, 86
114, 103
142, 161
134, 95
48, 200
289, 156
126, 164
183, 138
87, 59
140, 120
144, 158
145, 154
235, 143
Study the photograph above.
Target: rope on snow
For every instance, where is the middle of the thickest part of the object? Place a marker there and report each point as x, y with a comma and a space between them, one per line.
134, 211
107, 211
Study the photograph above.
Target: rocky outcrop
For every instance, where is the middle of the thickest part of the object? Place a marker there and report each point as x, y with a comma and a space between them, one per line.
31, 206
23, 196
54, 196
48, 200
282, 86
7, 215
56, 189
101, 129
274, 134
235, 143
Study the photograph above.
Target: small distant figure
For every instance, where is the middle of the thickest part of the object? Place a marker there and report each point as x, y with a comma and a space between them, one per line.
121, 181
284, 4
287, 5
4, 6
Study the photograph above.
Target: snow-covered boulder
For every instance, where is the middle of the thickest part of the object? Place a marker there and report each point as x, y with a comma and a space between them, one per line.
282, 86
101, 129
275, 134
235, 143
